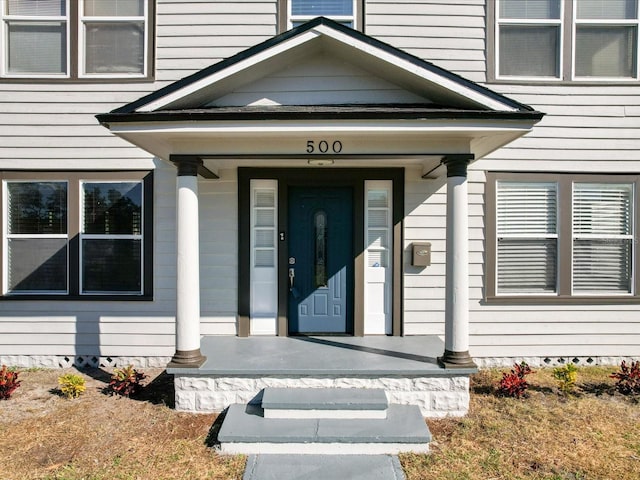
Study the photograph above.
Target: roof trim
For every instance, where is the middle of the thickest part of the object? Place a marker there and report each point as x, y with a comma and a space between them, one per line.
356, 36
331, 112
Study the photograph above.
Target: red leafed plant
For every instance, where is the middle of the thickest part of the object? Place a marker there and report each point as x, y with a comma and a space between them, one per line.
513, 383
8, 382
628, 378
126, 381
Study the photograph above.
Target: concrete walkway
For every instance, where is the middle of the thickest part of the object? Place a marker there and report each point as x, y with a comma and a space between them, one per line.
323, 467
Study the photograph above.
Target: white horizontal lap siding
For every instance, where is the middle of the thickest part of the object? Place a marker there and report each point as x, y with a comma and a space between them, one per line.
105, 328
448, 33
587, 129
193, 35
319, 79
218, 201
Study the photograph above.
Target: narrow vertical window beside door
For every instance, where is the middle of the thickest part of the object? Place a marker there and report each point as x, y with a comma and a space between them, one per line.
320, 252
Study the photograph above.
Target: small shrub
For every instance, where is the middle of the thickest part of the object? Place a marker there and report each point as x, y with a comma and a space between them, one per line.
513, 383
566, 376
628, 378
72, 385
8, 382
126, 381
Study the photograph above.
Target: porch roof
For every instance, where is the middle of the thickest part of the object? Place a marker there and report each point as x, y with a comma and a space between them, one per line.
321, 356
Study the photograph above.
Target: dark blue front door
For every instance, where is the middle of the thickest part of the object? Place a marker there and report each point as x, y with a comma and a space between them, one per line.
320, 260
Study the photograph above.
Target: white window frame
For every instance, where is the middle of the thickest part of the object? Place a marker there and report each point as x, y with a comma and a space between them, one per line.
568, 23
5, 18
102, 236
630, 236
565, 229
75, 47
378, 280
527, 236
575, 22
6, 236
338, 18
264, 279
498, 22
82, 41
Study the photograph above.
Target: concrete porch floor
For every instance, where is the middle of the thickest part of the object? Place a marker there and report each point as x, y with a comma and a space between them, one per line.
237, 370
321, 355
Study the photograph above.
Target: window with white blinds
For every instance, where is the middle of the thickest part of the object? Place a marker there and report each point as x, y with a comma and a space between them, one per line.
527, 237
595, 39
342, 11
602, 238
39, 38
562, 235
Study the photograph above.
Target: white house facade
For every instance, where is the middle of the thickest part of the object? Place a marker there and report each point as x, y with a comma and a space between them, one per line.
462, 174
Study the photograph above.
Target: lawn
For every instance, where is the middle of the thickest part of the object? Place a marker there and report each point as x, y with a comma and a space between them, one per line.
593, 434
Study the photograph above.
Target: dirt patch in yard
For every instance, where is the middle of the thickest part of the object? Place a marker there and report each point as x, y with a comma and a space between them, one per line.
46, 436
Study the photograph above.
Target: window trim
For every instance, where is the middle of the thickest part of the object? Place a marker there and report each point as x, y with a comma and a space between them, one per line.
75, 51
284, 17
568, 23
564, 293
74, 228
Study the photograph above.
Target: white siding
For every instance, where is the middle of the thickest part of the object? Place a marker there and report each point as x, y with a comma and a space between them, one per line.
141, 328
447, 33
52, 125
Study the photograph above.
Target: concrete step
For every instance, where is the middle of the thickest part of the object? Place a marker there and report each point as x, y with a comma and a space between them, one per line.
324, 403
323, 467
246, 431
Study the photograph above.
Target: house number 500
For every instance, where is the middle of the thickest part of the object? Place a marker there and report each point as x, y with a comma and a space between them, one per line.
324, 146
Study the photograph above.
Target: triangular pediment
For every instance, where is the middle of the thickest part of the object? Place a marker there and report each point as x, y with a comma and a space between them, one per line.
322, 63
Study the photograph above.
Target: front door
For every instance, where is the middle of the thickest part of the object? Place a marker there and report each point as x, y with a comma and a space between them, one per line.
320, 266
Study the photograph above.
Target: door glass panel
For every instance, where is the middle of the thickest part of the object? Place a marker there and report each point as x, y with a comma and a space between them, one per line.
320, 253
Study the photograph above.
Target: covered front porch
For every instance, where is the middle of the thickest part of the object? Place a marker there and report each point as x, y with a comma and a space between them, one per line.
237, 369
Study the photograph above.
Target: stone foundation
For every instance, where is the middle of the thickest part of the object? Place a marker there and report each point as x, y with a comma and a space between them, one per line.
80, 361
439, 396
541, 362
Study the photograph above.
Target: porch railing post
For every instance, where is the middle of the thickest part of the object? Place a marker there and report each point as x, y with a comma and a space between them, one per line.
188, 267
456, 336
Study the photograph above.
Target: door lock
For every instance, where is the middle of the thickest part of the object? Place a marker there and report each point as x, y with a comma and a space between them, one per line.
292, 276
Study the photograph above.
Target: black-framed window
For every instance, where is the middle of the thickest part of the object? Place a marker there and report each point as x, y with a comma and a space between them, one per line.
296, 12
562, 236
79, 235
558, 40
76, 39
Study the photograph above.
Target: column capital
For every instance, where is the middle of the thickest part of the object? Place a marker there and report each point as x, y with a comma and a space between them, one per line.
457, 164
188, 165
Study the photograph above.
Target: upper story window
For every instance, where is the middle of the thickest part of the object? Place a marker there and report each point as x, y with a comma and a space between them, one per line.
298, 12
71, 39
566, 40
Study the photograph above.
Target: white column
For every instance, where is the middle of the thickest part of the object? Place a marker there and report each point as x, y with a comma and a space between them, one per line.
187, 268
456, 337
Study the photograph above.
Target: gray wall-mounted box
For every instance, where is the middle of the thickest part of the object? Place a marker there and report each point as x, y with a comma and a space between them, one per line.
421, 254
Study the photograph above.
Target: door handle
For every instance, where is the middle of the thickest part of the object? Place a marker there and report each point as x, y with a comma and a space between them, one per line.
292, 276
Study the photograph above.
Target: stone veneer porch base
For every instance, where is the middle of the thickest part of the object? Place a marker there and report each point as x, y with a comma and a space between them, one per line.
435, 396
238, 369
